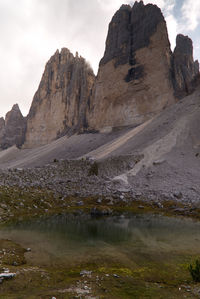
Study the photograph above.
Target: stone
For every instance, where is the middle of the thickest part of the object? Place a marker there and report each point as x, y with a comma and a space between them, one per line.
99, 200
85, 273
7, 275
100, 211
140, 207
185, 69
12, 129
178, 195
134, 77
59, 105
4, 206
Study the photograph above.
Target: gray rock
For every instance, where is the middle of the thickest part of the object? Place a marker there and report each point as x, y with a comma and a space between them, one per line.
4, 206
7, 275
85, 273
184, 68
12, 132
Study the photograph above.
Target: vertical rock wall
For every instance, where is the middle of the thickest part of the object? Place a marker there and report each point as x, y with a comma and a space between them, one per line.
185, 69
12, 129
133, 81
60, 102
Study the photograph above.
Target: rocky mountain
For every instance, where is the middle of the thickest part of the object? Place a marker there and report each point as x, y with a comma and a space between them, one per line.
12, 129
185, 69
60, 102
133, 81
138, 77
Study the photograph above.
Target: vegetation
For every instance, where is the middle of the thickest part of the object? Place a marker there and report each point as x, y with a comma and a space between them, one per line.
94, 169
195, 271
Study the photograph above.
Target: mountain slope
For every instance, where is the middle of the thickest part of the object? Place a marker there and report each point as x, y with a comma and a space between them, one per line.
168, 146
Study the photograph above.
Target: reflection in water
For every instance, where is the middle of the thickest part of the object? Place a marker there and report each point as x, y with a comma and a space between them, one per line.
70, 238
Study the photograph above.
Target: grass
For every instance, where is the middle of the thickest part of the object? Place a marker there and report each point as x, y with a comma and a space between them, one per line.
195, 271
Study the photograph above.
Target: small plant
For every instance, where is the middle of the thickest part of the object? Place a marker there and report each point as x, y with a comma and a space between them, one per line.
195, 271
94, 169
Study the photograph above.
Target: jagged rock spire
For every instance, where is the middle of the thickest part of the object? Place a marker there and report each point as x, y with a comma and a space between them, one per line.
12, 129
60, 102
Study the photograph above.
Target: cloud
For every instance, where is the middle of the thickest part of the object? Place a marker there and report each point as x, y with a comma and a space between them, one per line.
32, 30
190, 14
172, 27
109, 5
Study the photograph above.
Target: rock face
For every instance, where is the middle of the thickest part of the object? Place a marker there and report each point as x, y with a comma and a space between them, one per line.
60, 102
134, 77
138, 77
12, 129
185, 69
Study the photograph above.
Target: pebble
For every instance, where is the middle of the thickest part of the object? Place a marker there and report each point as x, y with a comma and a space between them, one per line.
4, 206
85, 272
140, 207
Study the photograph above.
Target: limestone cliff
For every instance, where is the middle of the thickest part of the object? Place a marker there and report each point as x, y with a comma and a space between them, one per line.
134, 77
138, 77
60, 102
12, 129
185, 69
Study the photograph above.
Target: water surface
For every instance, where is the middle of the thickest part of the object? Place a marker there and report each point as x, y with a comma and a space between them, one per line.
66, 239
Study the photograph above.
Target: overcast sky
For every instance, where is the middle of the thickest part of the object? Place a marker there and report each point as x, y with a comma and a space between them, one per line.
32, 30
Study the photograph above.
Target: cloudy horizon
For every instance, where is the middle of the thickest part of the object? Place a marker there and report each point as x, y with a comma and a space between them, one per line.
32, 30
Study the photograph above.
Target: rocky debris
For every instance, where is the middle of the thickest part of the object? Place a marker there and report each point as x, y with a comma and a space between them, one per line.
60, 102
71, 178
12, 129
138, 56
185, 69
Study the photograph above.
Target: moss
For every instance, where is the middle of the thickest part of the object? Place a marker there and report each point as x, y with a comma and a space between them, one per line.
109, 281
195, 271
11, 253
94, 169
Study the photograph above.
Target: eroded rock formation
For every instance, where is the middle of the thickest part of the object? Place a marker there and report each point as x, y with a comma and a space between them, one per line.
60, 102
185, 69
138, 77
12, 129
133, 81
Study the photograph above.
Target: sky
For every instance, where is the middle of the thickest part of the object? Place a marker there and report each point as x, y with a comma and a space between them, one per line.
32, 30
